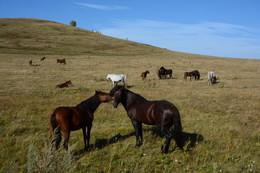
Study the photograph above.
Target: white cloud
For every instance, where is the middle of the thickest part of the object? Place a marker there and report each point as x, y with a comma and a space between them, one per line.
216, 39
102, 7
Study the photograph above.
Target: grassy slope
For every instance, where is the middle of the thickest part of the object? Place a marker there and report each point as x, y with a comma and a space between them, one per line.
34, 36
226, 114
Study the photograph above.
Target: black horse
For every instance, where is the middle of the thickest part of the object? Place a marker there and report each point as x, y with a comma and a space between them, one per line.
161, 113
163, 72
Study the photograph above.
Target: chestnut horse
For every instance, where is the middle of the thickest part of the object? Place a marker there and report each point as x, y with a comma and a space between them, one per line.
30, 62
191, 74
144, 74
161, 113
61, 61
67, 119
65, 84
43, 58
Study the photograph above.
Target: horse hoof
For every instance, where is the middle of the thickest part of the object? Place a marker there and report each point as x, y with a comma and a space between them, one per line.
87, 148
138, 144
164, 151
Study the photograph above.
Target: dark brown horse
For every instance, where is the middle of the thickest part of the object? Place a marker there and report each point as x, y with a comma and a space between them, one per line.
161, 113
67, 119
192, 74
65, 84
30, 62
163, 73
144, 74
43, 58
61, 61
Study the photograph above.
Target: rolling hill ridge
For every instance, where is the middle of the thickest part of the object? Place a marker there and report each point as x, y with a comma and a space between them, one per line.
36, 36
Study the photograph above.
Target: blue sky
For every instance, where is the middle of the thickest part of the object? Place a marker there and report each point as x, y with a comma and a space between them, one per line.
226, 28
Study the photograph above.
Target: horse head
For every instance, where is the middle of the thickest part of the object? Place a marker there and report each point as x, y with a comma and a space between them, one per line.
116, 94
108, 76
103, 97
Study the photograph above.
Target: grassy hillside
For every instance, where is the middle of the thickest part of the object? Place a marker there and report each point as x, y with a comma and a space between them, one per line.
35, 36
226, 114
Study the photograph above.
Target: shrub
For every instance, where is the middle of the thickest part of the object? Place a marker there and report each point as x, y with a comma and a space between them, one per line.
73, 23
48, 160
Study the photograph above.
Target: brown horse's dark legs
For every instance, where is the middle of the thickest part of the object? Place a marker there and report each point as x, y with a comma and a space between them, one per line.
84, 137
88, 135
138, 132
66, 139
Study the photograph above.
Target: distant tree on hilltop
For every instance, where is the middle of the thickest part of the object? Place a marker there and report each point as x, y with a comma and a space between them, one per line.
73, 23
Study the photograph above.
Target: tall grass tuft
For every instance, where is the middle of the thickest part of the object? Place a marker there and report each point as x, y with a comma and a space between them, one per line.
49, 160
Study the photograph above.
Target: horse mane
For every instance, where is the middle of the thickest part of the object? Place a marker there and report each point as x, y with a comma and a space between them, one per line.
116, 88
91, 103
136, 97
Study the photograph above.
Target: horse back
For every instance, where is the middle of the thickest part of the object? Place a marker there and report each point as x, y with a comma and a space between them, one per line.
70, 118
155, 112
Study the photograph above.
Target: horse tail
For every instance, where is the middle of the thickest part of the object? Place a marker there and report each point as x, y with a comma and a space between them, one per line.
177, 132
55, 130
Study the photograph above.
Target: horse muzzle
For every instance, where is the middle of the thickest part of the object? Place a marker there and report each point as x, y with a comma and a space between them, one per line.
115, 104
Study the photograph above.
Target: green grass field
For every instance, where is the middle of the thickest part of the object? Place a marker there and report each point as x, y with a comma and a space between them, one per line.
226, 114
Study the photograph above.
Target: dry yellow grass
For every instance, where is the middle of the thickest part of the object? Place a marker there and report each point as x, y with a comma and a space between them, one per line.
225, 114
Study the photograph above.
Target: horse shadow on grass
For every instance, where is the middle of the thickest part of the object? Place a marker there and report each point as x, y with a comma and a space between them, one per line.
189, 140
101, 143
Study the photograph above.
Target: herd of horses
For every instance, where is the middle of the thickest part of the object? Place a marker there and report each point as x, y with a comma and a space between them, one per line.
59, 61
163, 74
161, 113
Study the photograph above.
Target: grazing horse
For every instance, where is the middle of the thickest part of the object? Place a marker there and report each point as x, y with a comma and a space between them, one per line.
165, 72
61, 61
65, 84
162, 73
144, 74
43, 58
161, 113
192, 74
30, 62
212, 78
67, 119
117, 78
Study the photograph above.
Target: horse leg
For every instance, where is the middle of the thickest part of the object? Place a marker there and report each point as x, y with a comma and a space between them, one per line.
84, 137
66, 139
88, 134
168, 135
138, 132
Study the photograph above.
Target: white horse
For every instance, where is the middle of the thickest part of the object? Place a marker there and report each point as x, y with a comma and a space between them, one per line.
212, 78
115, 78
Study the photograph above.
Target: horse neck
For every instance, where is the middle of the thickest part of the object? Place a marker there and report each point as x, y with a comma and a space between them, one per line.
91, 104
131, 99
